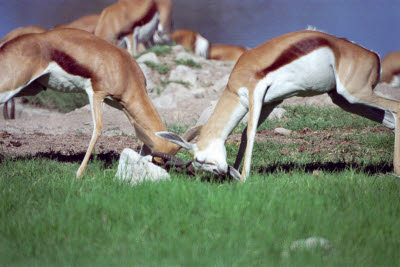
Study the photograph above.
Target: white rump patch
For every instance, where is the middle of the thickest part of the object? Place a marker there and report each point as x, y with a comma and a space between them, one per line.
202, 46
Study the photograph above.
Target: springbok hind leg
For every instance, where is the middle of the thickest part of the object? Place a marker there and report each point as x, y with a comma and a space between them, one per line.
389, 114
95, 104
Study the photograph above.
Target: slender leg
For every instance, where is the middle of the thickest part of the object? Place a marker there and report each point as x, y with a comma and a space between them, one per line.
391, 108
266, 110
255, 107
95, 104
377, 114
12, 112
135, 42
5, 111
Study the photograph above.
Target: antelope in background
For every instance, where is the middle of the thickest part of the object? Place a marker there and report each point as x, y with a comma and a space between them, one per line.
226, 52
87, 23
391, 69
193, 41
128, 23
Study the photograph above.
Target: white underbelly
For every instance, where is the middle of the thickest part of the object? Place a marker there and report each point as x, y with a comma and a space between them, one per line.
58, 79
312, 74
146, 31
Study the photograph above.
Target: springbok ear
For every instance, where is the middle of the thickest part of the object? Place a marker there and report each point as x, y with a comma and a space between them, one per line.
190, 134
176, 139
233, 173
141, 134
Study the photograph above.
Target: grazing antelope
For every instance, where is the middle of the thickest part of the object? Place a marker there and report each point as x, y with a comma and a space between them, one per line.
164, 29
391, 69
71, 60
192, 41
128, 23
87, 23
11, 35
302, 63
226, 52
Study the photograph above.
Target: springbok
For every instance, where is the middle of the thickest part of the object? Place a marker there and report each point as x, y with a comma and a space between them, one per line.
71, 60
11, 35
128, 23
193, 41
391, 69
162, 35
87, 23
226, 52
303, 63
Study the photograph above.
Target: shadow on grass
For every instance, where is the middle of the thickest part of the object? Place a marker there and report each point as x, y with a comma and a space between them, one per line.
328, 166
111, 157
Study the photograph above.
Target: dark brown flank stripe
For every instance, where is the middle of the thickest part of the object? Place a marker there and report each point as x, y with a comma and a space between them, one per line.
69, 64
143, 21
396, 72
294, 52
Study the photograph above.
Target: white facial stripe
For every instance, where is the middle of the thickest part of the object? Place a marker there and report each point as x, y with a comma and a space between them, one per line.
215, 152
202, 46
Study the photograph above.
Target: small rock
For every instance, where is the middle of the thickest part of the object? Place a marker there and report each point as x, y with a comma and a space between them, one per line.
183, 73
311, 243
165, 100
282, 131
148, 75
136, 169
205, 115
277, 114
148, 57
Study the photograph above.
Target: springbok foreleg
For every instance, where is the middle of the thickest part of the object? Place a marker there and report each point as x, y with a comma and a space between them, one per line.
95, 104
255, 107
266, 110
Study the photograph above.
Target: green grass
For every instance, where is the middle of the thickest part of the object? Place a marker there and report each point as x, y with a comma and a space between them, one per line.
50, 218
161, 68
63, 102
188, 62
159, 50
184, 83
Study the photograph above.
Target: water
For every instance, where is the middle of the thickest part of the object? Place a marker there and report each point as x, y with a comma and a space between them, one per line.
370, 23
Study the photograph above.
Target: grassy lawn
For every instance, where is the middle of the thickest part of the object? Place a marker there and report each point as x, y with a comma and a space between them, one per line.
47, 217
